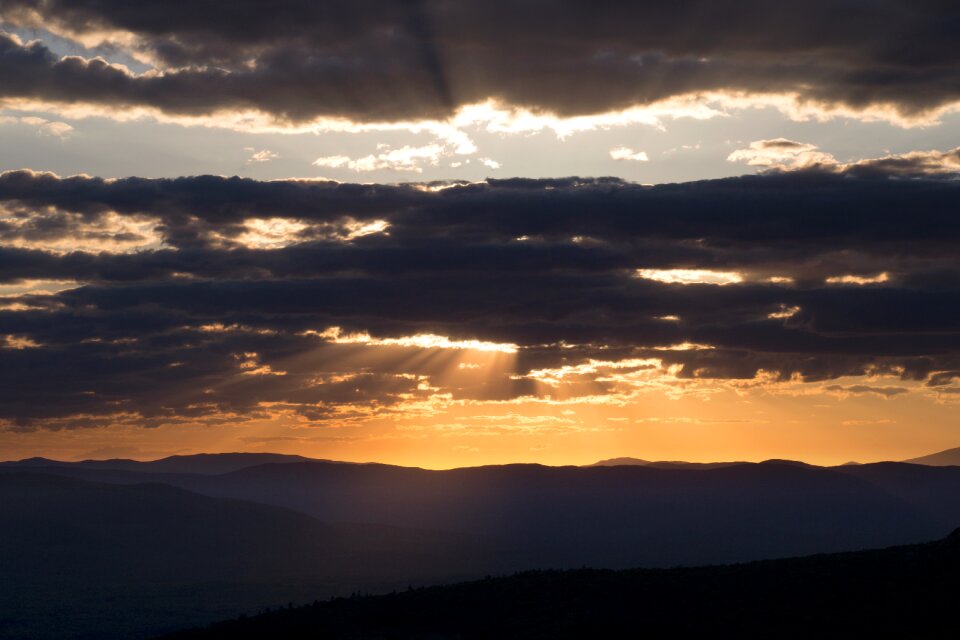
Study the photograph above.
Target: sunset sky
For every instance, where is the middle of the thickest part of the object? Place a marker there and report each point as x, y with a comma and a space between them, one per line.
446, 233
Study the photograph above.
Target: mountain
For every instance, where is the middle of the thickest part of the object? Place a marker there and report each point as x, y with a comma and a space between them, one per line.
660, 464
933, 490
613, 517
166, 550
616, 462
950, 457
84, 559
906, 592
617, 517
206, 463
677, 464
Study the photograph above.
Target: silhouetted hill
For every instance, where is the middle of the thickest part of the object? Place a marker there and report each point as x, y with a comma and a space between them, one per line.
677, 464
901, 592
289, 530
932, 489
135, 559
614, 517
206, 463
616, 462
950, 457
660, 464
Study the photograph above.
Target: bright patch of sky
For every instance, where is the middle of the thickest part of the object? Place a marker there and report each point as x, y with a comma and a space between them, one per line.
682, 149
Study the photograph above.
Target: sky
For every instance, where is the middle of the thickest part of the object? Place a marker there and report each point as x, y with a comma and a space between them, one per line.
446, 233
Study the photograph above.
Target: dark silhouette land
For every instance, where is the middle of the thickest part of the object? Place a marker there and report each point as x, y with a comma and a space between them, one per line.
905, 592
123, 549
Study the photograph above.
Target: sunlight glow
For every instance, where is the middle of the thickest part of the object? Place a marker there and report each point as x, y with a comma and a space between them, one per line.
36, 287
684, 346
420, 340
784, 313
106, 233
859, 280
271, 233
691, 276
19, 342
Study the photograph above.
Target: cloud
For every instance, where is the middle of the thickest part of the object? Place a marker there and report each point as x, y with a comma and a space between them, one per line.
862, 423
781, 153
63, 232
861, 389
942, 378
60, 130
264, 155
914, 163
391, 61
406, 158
43, 126
880, 278
690, 276
19, 342
554, 290
626, 153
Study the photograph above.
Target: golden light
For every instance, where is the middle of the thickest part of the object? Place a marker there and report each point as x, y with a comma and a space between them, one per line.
691, 276
859, 280
420, 340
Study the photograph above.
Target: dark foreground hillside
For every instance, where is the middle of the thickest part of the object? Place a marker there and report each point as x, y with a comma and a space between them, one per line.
907, 592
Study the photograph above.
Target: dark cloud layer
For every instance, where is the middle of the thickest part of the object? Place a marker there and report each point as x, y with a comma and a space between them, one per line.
395, 59
842, 272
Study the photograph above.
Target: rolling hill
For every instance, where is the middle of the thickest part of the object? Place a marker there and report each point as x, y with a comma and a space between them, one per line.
84, 559
170, 548
950, 457
204, 463
613, 517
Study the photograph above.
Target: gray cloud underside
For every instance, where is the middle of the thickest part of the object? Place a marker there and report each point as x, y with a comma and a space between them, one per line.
379, 60
451, 264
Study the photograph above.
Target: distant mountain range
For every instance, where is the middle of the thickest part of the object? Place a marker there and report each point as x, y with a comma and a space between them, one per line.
660, 464
658, 514
216, 463
231, 532
204, 463
901, 592
948, 458
619, 462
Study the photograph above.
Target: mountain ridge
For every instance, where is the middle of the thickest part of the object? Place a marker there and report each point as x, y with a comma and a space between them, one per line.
947, 457
208, 463
215, 463
616, 516
377, 525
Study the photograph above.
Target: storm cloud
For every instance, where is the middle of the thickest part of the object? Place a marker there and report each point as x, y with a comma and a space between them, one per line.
396, 60
246, 297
